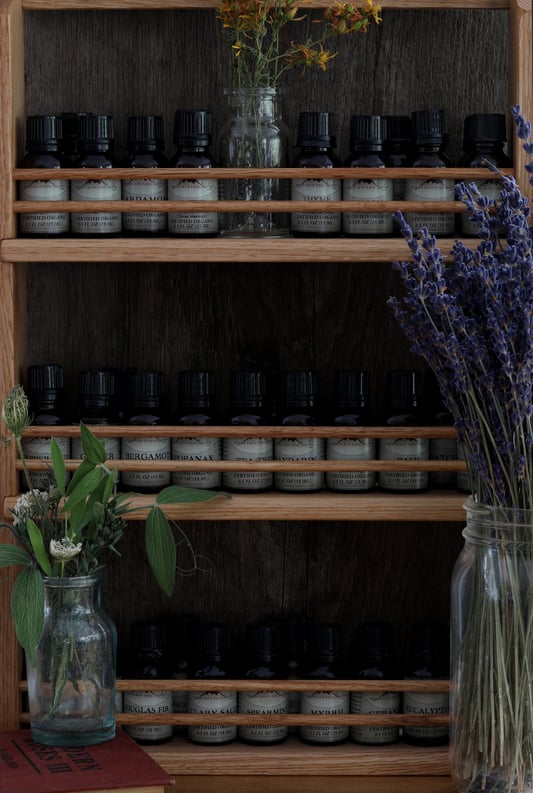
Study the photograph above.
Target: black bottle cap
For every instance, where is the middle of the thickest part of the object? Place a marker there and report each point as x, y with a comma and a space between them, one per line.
248, 389
212, 639
397, 128
429, 126
324, 640
43, 131
263, 639
196, 388
148, 636
96, 129
374, 640
402, 389
484, 128
298, 388
97, 383
144, 386
145, 132
45, 377
192, 128
366, 133
351, 388
316, 129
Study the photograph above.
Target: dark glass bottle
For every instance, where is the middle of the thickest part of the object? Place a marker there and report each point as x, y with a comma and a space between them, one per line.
350, 410
96, 151
316, 139
374, 660
366, 145
192, 136
145, 145
70, 139
405, 410
397, 152
45, 388
249, 407
212, 661
264, 662
180, 631
428, 660
196, 407
144, 409
484, 136
324, 662
298, 393
43, 150
148, 661
293, 644
97, 407
430, 137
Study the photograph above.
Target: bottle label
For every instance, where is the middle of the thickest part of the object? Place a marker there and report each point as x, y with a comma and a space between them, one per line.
96, 190
326, 703
112, 448
148, 702
374, 702
142, 448
431, 190
260, 703
45, 222
365, 222
193, 190
429, 704
316, 190
216, 702
253, 450
196, 449
404, 449
144, 190
40, 449
443, 449
299, 449
489, 188
350, 449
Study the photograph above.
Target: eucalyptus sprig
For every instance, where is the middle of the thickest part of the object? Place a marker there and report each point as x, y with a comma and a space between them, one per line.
67, 530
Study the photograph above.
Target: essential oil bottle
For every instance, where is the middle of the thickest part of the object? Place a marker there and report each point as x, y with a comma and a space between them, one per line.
180, 630
428, 660
316, 139
43, 150
70, 139
97, 407
145, 145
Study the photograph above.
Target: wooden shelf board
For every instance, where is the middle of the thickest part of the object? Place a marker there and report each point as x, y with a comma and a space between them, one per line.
314, 784
51, 5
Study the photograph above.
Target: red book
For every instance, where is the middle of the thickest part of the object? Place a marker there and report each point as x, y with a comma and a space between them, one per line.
30, 767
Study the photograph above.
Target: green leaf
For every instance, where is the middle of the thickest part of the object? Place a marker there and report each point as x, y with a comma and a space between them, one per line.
161, 549
14, 554
27, 607
84, 488
93, 449
37, 543
84, 468
58, 464
181, 495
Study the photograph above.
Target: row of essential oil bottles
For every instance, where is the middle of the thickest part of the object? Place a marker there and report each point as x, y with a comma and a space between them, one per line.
419, 140
251, 405
284, 649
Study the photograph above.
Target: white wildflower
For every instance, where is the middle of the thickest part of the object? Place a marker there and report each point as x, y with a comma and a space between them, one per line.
64, 549
29, 505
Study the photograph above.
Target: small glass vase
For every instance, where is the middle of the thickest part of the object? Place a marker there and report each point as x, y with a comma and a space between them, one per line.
71, 686
491, 697
254, 137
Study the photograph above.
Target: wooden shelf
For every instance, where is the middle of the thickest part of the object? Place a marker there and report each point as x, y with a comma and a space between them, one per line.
77, 5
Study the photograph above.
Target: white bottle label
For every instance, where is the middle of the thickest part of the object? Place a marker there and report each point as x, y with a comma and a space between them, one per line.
379, 223
96, 190
316, 190
112, 448
299, 449
442, 449
215, 702
350, 449
45, 222
155, 702
430, 704
144, 190
326, 703
40, 449
193, 190
431, 190
404, 449
143, 448
259, 703
253, 450
374, 702
199, 448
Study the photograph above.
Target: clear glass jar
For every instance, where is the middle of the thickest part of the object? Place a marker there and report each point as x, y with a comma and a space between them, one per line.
491, 701
254, 137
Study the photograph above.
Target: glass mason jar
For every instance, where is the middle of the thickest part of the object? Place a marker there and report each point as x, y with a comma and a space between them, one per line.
71, 686
254, 137
491, 697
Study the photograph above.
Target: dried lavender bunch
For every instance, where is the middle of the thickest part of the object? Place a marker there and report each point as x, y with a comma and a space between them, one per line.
471, 317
